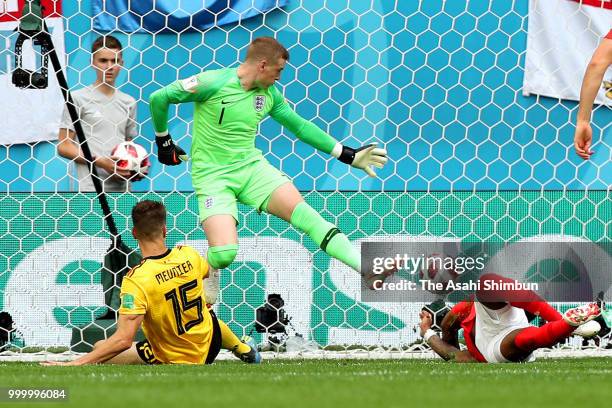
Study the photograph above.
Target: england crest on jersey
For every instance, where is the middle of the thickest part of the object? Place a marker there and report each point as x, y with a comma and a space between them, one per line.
260, 101
190, 84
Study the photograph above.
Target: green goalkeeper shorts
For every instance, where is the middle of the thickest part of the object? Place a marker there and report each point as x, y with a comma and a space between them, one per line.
219, 188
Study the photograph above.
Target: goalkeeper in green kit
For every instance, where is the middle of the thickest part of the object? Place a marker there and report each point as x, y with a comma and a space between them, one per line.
226, 167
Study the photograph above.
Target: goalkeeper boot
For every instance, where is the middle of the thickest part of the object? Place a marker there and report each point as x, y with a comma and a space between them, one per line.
582, 314
252, 356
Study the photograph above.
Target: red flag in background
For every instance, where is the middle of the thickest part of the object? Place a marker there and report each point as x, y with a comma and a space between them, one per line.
10, 10
607, 4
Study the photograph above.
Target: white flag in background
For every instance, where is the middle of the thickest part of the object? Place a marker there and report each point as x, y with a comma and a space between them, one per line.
28, 115
562, 36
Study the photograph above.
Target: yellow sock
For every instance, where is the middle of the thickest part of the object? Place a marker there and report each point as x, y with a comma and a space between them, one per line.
230, 341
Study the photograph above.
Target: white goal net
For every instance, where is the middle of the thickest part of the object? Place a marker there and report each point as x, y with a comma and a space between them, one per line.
476, 153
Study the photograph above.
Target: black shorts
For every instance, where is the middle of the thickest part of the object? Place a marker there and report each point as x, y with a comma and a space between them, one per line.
145, 352
215, 343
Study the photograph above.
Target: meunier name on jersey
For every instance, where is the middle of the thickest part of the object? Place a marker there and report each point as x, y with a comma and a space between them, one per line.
173, 272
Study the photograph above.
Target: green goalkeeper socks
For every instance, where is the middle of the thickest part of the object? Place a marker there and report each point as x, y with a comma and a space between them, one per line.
326, 235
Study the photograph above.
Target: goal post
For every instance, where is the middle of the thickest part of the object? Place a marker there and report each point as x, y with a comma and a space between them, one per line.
439, 84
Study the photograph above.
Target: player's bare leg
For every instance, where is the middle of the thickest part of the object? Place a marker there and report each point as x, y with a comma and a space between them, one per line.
287, 203
222, 239
520, 343
129, 356
283, 201
510, 350
220, 230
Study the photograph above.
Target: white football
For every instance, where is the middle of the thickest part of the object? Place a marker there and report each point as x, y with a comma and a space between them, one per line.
131, 156
588, 330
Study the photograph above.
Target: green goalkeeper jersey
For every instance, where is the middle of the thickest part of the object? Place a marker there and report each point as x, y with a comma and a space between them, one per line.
226, 117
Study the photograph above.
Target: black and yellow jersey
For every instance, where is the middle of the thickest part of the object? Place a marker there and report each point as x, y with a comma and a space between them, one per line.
168, 290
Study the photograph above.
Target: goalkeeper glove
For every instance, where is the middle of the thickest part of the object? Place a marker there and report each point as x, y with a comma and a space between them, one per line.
364, 157
168, 153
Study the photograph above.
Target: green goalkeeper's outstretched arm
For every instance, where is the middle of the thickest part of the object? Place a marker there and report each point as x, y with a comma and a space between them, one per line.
194, 90
362, 158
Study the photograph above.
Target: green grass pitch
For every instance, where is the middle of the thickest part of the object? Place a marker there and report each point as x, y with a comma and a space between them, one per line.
323, 383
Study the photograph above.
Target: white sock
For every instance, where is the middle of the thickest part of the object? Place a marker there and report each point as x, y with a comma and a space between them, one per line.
211, 286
